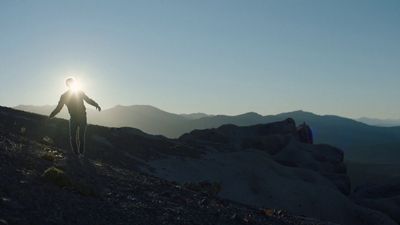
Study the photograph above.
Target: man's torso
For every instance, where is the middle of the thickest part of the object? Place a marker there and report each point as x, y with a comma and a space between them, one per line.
75, 104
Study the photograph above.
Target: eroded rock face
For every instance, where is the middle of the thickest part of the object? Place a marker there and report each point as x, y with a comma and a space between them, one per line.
305, 134
289, 146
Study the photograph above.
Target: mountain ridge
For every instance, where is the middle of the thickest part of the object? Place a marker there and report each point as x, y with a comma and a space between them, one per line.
360, 141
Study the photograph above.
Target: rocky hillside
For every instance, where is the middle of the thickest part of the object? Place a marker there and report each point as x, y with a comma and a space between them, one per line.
262, 174
45, 184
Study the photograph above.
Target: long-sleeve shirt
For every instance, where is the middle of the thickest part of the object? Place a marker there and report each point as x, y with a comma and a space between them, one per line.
74, 103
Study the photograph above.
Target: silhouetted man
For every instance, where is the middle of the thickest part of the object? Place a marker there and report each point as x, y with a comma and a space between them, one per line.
74, 98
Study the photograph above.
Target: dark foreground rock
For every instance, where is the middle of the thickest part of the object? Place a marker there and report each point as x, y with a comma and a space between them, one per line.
384, 197
66, 190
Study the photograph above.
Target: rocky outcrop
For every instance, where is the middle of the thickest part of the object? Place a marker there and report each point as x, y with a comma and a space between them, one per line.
305, 134
271, 138
287, 144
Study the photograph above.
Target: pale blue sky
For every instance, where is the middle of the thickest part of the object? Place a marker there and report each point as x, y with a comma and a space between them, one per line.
221, 57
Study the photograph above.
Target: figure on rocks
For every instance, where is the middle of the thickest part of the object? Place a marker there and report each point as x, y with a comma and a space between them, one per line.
74, 99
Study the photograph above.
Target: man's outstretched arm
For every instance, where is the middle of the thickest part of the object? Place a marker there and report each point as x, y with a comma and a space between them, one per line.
57, 109
91, 102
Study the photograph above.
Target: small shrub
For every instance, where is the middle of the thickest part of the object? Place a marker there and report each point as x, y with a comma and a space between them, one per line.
57, 177
49, 156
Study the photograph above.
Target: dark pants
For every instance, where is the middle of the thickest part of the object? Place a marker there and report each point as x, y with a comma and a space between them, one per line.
77, 131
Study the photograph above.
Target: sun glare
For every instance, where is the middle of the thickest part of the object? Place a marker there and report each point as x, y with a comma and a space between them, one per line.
75, 87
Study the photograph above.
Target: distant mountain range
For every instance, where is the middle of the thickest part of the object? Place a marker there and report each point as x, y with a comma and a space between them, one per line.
380, 122
360, 142
195, 115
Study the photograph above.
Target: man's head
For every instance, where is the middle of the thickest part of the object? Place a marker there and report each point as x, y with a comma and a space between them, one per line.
70, 82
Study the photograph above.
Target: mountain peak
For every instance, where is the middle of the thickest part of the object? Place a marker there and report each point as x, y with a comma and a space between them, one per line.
299, 112
250, 114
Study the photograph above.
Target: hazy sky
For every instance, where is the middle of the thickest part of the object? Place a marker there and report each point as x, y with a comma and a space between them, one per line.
221, 57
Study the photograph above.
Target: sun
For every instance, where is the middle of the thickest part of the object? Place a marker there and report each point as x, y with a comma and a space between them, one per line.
75, 87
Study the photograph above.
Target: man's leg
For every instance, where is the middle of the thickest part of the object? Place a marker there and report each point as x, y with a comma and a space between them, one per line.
82, 137
73, 128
